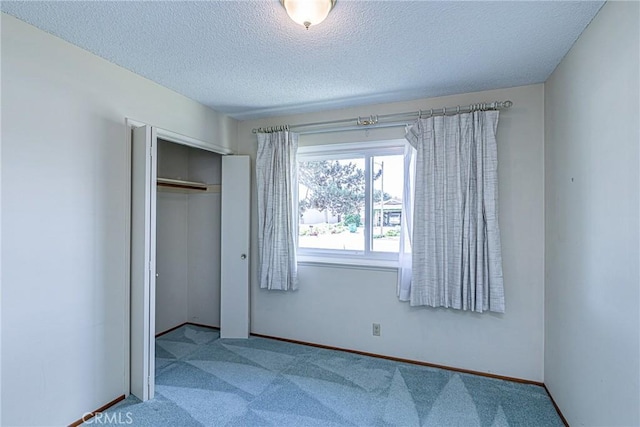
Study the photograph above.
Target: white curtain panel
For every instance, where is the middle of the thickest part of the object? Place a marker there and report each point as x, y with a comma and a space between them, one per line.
404, 256
456, 252
276, 176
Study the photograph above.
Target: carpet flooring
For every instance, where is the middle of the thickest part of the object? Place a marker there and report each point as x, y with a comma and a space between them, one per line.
202, 380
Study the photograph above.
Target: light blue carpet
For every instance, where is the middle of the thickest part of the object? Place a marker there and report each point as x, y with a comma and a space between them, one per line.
202, 380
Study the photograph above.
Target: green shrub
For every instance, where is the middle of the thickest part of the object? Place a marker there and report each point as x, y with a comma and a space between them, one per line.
352, 219
394, 232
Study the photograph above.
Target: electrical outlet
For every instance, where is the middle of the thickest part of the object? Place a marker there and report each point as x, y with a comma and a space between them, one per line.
376, 329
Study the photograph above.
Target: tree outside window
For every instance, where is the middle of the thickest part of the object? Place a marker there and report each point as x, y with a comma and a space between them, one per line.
336, 214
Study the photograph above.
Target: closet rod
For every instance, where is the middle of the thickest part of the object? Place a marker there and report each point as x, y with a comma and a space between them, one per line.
186, 187
384, 120
175, 183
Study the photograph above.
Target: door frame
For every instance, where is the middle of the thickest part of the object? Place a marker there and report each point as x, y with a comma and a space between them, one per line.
174, 137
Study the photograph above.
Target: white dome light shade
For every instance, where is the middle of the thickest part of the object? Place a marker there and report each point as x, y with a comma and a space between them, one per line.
308, 12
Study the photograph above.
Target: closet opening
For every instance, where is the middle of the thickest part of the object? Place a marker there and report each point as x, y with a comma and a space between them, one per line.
189, 200
187, 237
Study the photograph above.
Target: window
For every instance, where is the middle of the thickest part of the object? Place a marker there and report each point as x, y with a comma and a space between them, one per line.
350, 199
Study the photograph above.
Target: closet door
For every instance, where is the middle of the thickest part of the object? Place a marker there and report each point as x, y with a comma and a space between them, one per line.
234, 267
143, 261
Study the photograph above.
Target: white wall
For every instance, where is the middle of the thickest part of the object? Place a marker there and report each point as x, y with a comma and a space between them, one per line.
592, 322
64, 219
172, 227
203, 300
1, 315
336, 306
172, 267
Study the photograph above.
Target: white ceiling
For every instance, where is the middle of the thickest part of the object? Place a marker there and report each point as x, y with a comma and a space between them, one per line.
248, 59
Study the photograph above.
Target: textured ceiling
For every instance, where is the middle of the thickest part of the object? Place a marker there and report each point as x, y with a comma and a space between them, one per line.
248, 59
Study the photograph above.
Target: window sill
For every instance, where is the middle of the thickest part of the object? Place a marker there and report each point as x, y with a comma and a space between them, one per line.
345, 262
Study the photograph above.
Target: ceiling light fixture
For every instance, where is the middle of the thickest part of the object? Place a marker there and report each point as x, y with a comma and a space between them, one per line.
308, 12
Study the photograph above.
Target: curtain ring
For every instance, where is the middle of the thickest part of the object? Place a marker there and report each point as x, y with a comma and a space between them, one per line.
458, 110
419, 114
431, 112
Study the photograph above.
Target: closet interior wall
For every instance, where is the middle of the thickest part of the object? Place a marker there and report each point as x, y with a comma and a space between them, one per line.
188, 239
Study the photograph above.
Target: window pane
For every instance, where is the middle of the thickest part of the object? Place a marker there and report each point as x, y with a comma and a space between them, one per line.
331, 204
386, 202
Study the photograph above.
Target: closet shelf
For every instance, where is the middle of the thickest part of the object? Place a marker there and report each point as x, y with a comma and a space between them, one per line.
179, 185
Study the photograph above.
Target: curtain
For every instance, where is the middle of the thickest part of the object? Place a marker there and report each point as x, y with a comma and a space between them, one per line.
406, 226
456, 258
276, 176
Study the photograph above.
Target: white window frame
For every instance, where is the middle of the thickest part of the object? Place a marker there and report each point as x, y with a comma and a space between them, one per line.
367, 150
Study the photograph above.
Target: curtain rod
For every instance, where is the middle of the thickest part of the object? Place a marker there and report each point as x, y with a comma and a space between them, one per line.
384, 120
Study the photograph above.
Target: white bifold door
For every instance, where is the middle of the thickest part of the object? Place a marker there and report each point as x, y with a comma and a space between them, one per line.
143, 248
234, 250
234, 294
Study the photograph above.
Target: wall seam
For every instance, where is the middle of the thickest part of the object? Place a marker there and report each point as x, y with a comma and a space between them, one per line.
544, 230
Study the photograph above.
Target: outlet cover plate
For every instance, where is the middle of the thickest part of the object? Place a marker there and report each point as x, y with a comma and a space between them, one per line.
376, 329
